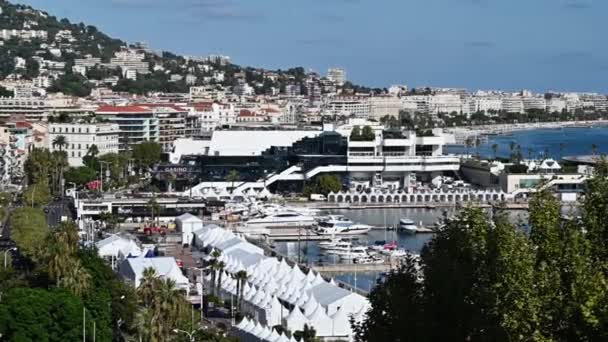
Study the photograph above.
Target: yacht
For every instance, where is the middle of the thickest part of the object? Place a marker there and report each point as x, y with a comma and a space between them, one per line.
285, 219
353, 253
367, 260
340, 225
342, 246
409, 226
333, 242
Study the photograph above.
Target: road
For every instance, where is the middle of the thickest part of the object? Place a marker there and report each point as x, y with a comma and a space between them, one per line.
55, 210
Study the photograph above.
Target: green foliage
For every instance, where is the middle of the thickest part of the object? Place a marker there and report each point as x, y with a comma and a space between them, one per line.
39, 194
328, 183
5, 92
80, 175
40, 315
29, 230
366, 134
71, 84
486, 280
147, 153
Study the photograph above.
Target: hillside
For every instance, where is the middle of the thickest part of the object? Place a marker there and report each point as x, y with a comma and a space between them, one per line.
35, 45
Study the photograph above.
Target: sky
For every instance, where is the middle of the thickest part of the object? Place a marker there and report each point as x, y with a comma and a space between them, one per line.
539, 45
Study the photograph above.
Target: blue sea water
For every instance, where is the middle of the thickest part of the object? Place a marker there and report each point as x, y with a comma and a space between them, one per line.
557, 142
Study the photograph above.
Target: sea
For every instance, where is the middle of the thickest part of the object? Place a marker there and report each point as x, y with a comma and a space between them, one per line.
574, 141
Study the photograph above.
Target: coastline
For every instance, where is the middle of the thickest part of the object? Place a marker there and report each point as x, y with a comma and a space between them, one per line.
462, 133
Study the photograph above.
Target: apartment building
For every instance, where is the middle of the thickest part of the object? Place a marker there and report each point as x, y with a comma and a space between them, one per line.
80, 137
355, 107
513, 104
136, 124
130, 60
385, 105
337, 76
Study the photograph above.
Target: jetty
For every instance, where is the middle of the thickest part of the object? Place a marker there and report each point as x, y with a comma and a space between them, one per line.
352, 268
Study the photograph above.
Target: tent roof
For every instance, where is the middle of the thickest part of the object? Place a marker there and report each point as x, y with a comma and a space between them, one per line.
187, 217
326, 293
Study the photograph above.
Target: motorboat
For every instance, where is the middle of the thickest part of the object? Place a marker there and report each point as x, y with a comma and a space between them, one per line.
342, 246
353, 253
340, 225
383, 245
368, 260
284, 219
333, 242
409, 226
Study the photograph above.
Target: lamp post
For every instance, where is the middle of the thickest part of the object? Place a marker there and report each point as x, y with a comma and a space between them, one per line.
5, 255
202, 288
101, 174
190, 334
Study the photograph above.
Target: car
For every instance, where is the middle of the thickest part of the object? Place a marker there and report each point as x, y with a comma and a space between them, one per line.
46, 210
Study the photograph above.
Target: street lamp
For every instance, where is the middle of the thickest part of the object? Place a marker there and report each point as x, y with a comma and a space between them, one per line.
190, 334
202, 280
101, 174
5, 255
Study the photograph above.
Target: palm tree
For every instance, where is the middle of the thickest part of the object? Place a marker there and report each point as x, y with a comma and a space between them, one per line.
144, 319
76, 280
241, 278
495, 150
147, 286
154, 208
233, 176
220, 265
60, 142
93, 151
169, 306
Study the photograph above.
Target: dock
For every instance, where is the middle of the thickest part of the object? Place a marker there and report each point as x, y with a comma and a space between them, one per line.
352, 268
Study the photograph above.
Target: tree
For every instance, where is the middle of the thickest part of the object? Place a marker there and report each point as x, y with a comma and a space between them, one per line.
397, 308
355, 134
233, 176
147, 153
80, 175
328, 183
367, 134
29, 230
37, 194
34, 314
241, 279
93, 151
5, 92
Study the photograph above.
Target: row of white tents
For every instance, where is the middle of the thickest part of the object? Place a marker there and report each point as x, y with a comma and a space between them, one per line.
278, 294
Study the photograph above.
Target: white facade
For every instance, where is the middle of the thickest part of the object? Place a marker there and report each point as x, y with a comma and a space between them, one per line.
336, 75
350, 107
80, 137
513, 104
385, 105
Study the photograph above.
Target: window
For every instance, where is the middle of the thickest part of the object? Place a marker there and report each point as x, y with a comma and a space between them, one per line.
72, 147
72, 153
73, 129
79, 130
79, 154
79, 146
87, 129
53, 129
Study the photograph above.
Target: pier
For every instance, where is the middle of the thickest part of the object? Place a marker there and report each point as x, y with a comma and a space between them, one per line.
352, 268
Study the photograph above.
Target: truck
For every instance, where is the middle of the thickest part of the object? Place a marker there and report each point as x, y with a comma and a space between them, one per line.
317, 197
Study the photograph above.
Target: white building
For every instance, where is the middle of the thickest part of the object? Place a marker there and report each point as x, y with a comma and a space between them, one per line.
132, 269
513, 104
350, 107
136, 124
80, 137
534, 103
336, 75
385, 105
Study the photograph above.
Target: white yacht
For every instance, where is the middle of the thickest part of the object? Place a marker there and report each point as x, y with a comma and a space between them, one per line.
285, 219
340, 225
408, 226
333, 242
342, 246
353, 253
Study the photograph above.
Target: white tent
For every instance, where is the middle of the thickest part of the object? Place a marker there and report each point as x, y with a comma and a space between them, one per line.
310, 306
117, 247
341, 324
274, 312
274, 336
166, 267
187, 224
321, 322
332, 297
296, 320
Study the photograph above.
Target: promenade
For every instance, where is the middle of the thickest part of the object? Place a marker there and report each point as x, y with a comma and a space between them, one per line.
462, 133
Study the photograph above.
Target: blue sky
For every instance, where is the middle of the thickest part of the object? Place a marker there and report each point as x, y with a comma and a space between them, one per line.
478, 44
